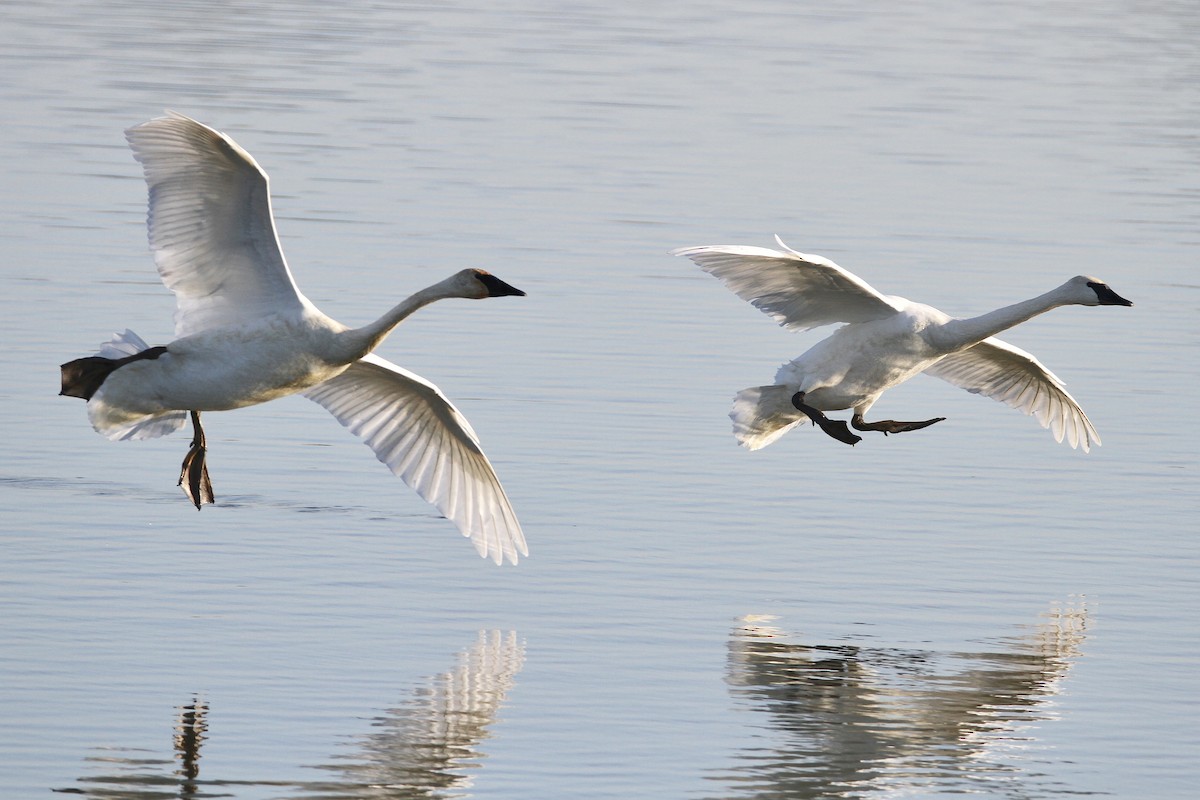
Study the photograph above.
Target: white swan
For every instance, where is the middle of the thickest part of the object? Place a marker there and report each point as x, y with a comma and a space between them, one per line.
245, 335
886, 341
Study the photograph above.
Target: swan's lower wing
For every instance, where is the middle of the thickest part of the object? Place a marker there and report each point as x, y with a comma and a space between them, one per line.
797, 290
423, 438
1014, 377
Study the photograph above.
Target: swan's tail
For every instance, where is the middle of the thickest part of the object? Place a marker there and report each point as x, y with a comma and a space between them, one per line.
84, 377
761, 414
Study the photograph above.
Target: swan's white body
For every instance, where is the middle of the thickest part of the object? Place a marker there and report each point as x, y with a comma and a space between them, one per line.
247, 335
886, 340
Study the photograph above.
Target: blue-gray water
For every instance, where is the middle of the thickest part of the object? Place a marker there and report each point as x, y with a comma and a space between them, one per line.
971, 608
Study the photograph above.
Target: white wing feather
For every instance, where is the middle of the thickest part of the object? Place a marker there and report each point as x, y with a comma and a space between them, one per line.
798, 291
1017, 379
210, 226
143, 428
429, 444
122, 345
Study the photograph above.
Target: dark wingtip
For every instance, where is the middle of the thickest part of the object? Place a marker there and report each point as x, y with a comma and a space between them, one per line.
497, 287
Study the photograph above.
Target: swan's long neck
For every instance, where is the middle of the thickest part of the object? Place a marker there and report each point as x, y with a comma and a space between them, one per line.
357, 342
960, 333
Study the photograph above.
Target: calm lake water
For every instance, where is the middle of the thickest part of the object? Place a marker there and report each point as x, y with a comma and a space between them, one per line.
972, 608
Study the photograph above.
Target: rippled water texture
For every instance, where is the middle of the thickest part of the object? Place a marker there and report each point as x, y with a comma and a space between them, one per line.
970, 608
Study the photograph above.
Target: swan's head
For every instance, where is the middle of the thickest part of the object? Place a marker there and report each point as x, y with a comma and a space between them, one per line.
1094, 292
477, 284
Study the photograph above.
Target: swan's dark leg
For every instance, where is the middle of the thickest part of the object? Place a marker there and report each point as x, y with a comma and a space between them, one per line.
891, 425
834, 427
193, 476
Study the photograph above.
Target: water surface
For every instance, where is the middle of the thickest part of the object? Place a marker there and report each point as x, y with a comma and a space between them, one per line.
968, 608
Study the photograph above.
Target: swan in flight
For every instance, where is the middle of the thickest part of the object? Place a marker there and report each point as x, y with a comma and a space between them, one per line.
886, 340
244, 334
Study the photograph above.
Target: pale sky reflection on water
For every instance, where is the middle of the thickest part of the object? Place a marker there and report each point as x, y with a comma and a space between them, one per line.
964, 157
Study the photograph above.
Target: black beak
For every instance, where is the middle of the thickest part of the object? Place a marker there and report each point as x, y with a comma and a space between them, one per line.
497, 287
1107, 296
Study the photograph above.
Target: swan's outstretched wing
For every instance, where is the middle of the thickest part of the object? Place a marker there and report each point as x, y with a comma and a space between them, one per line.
210, 226
798, 291
1015, 378
423, 438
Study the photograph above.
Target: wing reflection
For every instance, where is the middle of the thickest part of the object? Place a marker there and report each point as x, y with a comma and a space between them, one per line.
423, 748
849, 720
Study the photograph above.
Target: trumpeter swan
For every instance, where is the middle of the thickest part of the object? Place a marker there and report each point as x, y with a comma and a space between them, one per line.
245, 335
886, 340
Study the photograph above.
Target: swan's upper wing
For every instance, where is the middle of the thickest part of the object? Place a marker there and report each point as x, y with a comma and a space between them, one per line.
210, 226
799, 291
423, 438
1015, 378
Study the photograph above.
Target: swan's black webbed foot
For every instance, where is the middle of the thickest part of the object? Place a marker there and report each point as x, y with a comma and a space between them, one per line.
891, 425
836, 428
193, 476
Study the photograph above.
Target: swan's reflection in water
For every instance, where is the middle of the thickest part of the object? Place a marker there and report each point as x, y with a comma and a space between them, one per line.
426, 747
851, 721
147, 777
423, 747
